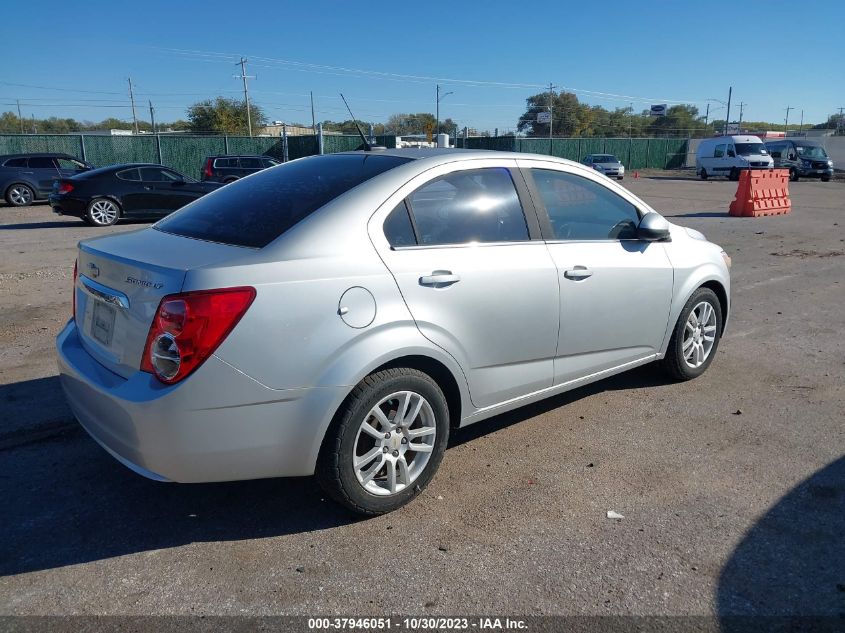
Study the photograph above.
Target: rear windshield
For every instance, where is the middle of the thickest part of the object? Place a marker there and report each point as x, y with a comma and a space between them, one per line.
256, 210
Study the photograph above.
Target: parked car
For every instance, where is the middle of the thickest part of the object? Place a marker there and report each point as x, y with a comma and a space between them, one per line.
25, 178
606, 164
101, 197
729, 155
230, 168
802, 157
340, 314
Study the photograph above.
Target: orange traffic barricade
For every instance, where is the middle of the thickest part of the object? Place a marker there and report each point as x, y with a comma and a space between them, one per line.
762, 192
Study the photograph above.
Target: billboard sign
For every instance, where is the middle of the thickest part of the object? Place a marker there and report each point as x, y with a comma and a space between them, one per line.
658, 110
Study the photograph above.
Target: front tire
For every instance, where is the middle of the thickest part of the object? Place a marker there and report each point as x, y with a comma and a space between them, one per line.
20, 195
102, 212
696, 336
793, 174
385, 443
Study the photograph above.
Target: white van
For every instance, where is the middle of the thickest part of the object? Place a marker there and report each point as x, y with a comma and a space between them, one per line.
728, 155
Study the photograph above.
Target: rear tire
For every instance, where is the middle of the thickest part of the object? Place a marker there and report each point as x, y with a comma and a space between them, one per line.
102, 212
367, 461
703, 174
695, 339
19, 195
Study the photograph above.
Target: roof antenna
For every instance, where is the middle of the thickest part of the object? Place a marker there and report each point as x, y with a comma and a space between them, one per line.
367, 146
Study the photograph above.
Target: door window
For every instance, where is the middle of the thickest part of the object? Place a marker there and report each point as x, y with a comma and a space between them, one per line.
720, 151
15, 162
41, 162
478, 205
251, 163
69, 163
582, 209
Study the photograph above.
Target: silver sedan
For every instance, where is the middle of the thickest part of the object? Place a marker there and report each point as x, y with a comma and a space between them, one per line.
606, 164
341, 314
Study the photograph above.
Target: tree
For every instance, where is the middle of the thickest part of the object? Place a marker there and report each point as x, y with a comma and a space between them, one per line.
680, 120
568, 117
224, 116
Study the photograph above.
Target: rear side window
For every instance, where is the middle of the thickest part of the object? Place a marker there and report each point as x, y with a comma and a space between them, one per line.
255, 211
129, 174
397, 227
478, 205
582, 209
15, 162
226, 162
251, 163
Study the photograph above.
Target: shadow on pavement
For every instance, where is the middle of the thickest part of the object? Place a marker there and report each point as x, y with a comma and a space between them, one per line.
65, 501
791, 563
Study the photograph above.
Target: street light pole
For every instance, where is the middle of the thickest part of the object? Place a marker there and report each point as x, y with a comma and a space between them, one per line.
786, 120
728, 116
439, 97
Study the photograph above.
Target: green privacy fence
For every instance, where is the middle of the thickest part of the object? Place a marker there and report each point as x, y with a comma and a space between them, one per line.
187, 153
183, 153
635, 153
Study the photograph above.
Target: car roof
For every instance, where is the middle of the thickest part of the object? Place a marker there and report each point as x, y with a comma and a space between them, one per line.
240, 156
38, 155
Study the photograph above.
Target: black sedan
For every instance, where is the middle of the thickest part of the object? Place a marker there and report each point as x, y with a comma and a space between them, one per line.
103, 196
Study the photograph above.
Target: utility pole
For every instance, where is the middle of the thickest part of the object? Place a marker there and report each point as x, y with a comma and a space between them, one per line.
728, 116
741, 106
439, 97
20, 118
551, 113
243, 76
801, 125
707, 116
786, 120
132, 99
152, 117
313, 118
631, 122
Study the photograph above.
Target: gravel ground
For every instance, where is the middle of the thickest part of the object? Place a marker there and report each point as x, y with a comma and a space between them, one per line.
732, 486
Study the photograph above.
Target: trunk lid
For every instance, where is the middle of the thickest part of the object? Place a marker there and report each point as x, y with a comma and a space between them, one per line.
121, 280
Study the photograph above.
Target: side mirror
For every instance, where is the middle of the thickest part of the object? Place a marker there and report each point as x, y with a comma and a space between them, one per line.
791, 156
653, 227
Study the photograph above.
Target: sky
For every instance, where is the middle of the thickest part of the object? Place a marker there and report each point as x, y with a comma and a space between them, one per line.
388, 57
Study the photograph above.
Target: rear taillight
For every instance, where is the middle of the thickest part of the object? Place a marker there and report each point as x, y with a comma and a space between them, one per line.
65, 187
188, 327
208, 165
73, 291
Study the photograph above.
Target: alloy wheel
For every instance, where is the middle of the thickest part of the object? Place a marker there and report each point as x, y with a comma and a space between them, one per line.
394, 443
103, 212
20, 196
699, 334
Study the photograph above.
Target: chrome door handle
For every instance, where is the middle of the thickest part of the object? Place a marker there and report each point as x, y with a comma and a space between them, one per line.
579, 272
439, 278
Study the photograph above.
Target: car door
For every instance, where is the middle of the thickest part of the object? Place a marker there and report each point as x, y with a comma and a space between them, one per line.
615, 290
128, 188
166, 190
44, 172
474, 280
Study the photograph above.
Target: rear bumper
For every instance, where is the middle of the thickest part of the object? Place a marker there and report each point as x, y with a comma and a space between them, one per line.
217, 425
65, 205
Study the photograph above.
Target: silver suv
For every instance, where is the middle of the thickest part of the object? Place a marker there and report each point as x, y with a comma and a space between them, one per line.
341, 314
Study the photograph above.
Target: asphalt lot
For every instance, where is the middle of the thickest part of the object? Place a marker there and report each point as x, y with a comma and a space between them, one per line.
732, 486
